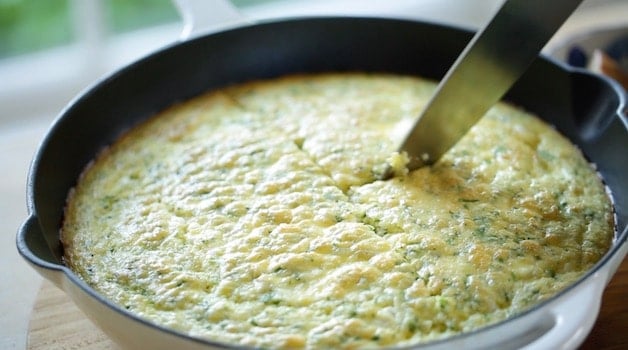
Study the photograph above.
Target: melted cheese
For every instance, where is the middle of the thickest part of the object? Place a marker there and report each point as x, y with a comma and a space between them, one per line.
253, 215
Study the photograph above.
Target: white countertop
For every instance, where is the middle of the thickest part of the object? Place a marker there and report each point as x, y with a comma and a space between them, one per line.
18, 143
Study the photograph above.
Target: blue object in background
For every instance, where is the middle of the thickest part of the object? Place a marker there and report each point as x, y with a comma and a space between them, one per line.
577, 57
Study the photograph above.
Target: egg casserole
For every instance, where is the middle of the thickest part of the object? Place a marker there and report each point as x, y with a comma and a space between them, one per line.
254, 215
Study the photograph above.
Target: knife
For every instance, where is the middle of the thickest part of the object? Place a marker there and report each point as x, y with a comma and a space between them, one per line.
490, 64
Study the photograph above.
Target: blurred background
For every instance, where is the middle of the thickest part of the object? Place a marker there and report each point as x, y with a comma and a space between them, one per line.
51, 50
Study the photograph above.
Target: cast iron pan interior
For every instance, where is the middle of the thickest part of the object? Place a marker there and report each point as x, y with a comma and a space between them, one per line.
582, 106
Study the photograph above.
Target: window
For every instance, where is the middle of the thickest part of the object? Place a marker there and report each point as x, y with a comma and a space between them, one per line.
27, 26
50, 50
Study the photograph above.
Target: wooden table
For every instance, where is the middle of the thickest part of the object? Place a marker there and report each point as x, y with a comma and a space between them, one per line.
57, 324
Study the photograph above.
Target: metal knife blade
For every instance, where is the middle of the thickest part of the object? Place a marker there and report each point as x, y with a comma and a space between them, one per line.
490, 64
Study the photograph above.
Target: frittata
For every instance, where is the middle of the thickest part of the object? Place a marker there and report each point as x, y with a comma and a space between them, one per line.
255, 215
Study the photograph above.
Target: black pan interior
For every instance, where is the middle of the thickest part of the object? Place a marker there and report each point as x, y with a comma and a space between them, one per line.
583, 107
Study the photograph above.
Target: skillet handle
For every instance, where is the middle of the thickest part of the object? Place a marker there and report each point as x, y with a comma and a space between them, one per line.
202, 16
33, 247
574, 315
